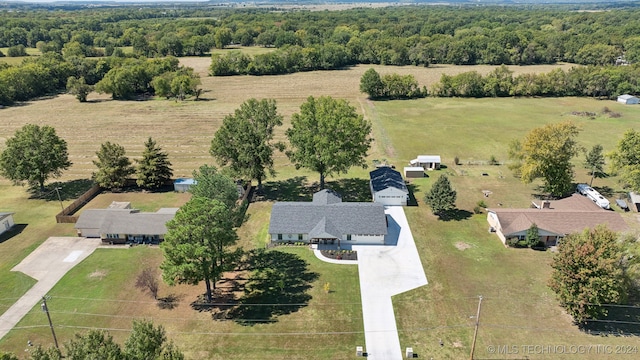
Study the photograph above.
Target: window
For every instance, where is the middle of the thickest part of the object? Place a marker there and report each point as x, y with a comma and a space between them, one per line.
348, 237
279, 236
300, 237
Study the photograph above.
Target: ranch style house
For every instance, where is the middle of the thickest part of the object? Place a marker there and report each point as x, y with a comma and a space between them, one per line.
554, 219
328, 220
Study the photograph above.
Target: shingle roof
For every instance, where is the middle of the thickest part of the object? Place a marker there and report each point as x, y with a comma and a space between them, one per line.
386, 177
333, 217
5, 214
569, 215
125, 221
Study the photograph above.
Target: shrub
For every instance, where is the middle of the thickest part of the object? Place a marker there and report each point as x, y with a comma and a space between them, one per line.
482, 204
456, 160
493, 160
477, 210
17, 50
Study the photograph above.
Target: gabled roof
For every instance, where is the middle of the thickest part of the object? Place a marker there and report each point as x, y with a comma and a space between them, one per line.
385, 177
428, 158
328, 215
566, 216
5, 215
126, 221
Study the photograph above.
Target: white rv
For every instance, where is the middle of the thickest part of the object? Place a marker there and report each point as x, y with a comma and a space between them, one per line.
592, 194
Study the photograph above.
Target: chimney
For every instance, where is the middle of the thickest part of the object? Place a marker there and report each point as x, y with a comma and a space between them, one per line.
546, 204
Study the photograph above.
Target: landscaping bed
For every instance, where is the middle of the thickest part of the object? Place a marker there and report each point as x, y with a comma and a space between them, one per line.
340, 254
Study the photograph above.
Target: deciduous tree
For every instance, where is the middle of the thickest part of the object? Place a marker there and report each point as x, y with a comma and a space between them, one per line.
147, 341
328, 137
441, 197
594, 161
212, 184
546, 153
154, 169
79, 88
245, 139
371, 84
587, 273
625, 159
197, 244
95, 344
533, 235
113, 166
34, 154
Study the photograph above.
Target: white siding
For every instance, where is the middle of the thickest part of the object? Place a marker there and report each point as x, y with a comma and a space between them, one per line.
290, 238
6, 224
391, 196
360, 239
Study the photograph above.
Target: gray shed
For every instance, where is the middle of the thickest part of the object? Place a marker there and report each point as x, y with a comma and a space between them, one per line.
628, 99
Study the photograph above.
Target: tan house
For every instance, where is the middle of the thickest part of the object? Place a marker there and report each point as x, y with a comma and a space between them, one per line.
554, 219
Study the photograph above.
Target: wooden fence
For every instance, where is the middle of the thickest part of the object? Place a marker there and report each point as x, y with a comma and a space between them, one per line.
66, 215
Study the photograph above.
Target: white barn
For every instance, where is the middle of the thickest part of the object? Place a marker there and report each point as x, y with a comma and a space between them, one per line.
628, 99
388, 187
6, 221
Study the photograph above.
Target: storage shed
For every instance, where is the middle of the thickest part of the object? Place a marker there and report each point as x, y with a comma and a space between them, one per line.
427, 162
412, 172
6, 221
628, 99
634, 200
183, 184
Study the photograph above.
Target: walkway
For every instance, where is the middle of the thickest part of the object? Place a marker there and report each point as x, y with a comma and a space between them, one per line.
386, 271
47, 264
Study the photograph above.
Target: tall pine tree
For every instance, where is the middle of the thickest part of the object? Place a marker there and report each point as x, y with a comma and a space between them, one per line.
441, 198
154, 169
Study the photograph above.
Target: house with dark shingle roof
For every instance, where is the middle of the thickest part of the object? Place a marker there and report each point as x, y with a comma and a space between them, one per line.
119, 226
327, 219
554, 219
388, 187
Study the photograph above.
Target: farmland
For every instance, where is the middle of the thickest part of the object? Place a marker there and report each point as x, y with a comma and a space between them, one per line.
462, 260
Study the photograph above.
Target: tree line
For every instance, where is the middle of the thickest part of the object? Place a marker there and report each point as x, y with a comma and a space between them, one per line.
122, 77
392, 36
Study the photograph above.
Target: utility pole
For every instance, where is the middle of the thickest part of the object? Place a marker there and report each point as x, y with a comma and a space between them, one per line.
46, 310
59, 198
475, 332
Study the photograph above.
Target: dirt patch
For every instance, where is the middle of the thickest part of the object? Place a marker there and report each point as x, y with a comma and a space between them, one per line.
462, 246
98, 274
457, 344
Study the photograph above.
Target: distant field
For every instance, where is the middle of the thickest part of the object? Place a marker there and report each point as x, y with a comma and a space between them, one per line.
185, 129
518, 308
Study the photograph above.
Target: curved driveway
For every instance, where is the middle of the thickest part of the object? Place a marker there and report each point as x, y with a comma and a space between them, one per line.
386, 271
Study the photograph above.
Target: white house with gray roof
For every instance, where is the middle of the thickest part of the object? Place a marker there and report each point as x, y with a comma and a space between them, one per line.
327, 219
6, 221
119, 226
388, 187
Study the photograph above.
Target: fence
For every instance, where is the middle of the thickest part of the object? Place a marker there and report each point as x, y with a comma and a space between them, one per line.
66, 215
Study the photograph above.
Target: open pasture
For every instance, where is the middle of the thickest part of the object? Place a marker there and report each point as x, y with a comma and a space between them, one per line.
185, 129
462, 260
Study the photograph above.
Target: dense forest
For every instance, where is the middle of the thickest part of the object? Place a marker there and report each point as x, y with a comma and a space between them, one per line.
312, 40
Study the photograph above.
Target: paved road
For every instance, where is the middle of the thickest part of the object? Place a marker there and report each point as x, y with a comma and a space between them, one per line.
47, 264
386, 271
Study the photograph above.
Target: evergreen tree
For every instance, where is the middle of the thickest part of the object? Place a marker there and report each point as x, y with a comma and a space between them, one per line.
594, 161
154, 169
441, 198
533, 235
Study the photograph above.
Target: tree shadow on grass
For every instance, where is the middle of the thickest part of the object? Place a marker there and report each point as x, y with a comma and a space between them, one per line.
455, 214
293, 189
68, 190
169, 302
621, 321
352, 189
605, 191
15, 230
277, 286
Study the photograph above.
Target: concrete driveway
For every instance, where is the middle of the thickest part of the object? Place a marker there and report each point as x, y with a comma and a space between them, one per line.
386, 271
47, 264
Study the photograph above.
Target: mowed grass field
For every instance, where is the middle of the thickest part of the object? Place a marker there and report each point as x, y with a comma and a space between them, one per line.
518, 309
